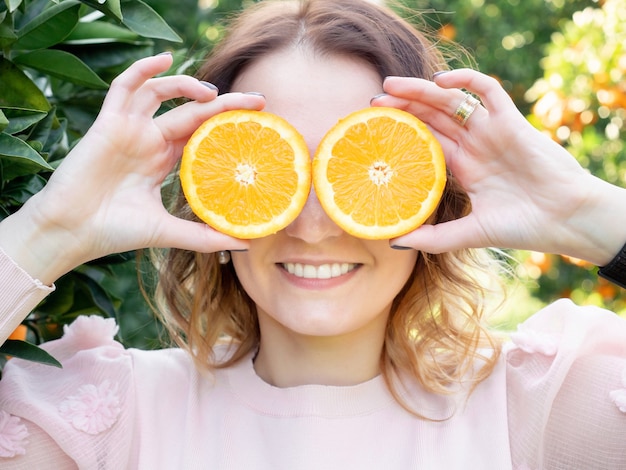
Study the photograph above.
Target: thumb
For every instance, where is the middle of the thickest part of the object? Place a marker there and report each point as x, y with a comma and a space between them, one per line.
443, 237
196, 236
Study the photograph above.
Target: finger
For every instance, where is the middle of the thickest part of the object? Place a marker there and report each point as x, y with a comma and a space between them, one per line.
179, 123
155, 91
488, 88
430, 102
126, 84
196, 236
444, 237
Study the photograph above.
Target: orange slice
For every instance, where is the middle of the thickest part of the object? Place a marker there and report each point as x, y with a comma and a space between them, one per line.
379, 173
246, 173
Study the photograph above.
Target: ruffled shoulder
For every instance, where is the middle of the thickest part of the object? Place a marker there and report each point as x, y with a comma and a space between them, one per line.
566, 375
83, 407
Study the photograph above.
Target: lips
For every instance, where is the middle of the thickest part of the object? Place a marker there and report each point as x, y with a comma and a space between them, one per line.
323, 271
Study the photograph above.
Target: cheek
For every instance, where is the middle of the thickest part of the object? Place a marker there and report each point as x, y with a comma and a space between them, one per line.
397, 269
252, 267
400, 263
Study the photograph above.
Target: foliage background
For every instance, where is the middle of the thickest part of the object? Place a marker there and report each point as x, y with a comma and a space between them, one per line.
563, 62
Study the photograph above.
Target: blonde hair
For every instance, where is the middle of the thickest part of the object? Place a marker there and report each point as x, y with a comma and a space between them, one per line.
435, 330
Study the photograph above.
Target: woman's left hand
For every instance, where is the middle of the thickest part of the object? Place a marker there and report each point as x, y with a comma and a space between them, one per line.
526, 191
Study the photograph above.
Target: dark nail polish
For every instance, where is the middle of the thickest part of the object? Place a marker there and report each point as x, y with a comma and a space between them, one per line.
254, 93
440, 72
208, 85
380, 95
243, 250
399, 247
165, 53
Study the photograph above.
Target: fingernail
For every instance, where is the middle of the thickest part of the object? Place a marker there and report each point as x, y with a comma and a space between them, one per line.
208, 85
440, 72
164, 53
380, 95
254, 93
243, 250
400, 247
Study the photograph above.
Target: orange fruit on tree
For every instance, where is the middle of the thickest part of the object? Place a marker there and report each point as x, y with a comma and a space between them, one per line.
379, 173
246, 173
19, 333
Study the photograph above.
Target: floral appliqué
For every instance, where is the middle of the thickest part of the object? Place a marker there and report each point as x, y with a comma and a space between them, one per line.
619, 396
532, 341
90, 331
13, 434
93, 409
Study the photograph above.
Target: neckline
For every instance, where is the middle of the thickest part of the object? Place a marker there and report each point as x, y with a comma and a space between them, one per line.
307, 400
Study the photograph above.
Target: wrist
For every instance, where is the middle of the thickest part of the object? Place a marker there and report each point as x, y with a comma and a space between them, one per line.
599, 235
37, 245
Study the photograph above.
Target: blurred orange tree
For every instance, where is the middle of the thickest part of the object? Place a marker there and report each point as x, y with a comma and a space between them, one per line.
563, 63
581, 102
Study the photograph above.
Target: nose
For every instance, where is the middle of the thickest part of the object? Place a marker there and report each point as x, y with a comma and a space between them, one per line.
313, 224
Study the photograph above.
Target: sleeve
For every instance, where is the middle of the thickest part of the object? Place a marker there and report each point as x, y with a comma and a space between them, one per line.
566, 389
19, 294
80, 416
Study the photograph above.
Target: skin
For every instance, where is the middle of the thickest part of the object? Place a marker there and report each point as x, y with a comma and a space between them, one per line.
105, 198
327, 331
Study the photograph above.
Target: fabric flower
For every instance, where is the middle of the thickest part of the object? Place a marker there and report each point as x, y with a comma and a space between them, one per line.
532, 341
13, 434
95, 408
90, 331
619, 396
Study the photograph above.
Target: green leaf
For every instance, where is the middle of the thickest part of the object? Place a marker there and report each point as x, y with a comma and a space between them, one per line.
13, 5
29, 352
40, 132
143, 20
18, 91
51, 27
4, 122
100, 32
117, 258
63, 65
100, 298
110, 8
20, 119
7, 35
18, 158
61, 300
19, 190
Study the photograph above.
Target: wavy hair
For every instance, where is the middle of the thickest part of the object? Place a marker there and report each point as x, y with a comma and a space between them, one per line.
435, 331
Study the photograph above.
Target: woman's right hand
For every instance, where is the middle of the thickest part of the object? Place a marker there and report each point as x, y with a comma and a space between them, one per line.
105, 197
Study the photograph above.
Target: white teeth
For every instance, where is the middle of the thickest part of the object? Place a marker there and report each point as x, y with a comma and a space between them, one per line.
324, 271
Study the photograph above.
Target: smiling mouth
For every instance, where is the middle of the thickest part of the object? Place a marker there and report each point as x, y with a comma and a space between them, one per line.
324, 271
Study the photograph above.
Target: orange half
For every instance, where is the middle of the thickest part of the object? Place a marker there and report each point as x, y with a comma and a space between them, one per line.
379, 173
246, 173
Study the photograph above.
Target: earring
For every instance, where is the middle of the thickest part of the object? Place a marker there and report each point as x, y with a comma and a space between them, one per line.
223, 257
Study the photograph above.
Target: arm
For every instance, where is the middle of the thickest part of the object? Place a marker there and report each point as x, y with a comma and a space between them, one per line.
527, 192
105, 197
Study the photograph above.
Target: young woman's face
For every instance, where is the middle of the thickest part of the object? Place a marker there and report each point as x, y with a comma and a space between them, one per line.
312, 278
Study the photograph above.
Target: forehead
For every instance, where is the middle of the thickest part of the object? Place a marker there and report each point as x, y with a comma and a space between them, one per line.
312, 91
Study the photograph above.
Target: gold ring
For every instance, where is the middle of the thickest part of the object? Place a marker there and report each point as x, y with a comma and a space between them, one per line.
465, 109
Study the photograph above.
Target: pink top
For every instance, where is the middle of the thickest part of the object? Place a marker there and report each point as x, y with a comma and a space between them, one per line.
556, 400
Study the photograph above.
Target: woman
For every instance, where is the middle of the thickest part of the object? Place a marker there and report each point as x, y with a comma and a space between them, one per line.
386, 365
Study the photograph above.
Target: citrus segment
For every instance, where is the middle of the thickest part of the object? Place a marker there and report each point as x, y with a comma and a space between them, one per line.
246, 173
379, 173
